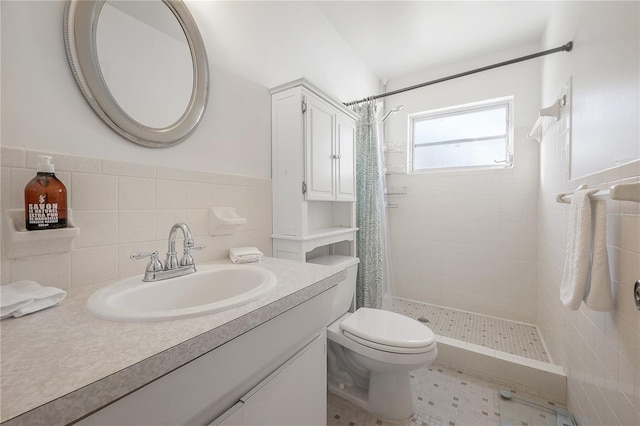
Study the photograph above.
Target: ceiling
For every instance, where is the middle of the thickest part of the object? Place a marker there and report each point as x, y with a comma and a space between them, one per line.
399, 38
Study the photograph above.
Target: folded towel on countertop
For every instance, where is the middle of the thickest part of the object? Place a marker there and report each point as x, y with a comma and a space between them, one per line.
244, 254
586, 268
24, 297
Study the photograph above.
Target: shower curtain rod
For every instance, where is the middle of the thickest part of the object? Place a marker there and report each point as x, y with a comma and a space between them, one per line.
564, 48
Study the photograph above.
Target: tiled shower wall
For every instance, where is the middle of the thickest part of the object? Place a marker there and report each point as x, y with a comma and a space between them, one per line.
467, 240
600, 351
121, 208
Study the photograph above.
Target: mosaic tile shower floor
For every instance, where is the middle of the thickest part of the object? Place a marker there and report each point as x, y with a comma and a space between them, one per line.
502, 335
448, 397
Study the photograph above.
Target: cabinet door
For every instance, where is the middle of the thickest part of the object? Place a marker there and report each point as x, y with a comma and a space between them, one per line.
295, 394
319, 136
234, 416
346, 161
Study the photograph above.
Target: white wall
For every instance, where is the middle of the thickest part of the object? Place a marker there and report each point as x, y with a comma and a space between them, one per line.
126, 197
467, 240
600, 351
251, 46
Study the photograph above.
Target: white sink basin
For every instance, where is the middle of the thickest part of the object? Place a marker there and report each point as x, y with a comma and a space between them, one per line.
213, 288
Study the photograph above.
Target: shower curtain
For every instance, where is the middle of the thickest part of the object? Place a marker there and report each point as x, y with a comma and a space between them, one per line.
373, 283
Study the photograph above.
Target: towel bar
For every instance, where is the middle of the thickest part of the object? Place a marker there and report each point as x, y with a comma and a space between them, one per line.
620, 192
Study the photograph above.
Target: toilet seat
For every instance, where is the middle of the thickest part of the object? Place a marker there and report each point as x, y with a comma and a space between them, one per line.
385, 348
388, 331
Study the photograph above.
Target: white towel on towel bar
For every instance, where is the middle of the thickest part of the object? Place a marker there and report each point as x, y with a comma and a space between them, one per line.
586, 271
598, 291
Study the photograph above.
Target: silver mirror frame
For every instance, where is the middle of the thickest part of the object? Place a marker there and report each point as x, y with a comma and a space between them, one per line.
80, 28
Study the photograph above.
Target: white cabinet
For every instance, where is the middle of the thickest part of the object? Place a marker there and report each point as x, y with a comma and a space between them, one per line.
329, 151
234, 383
346, 158
289, 395
319, 129
313, 171
233, 416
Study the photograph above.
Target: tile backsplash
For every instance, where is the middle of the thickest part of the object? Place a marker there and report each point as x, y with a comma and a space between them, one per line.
121, 208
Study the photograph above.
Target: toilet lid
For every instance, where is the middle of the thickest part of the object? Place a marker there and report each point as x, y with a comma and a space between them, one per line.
387, 348
385, 328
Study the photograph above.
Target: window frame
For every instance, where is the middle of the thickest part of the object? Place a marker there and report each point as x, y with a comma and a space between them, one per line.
459, 110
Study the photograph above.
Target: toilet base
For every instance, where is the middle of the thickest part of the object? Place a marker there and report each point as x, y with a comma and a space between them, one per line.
389, 396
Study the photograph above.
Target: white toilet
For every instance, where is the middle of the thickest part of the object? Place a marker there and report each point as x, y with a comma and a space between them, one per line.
372, 351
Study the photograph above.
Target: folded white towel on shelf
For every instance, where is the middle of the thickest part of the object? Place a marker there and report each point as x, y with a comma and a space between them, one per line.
244, 254
586, 267
24, 297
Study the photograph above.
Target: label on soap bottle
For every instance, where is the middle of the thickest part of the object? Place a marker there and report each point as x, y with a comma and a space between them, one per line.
43, 214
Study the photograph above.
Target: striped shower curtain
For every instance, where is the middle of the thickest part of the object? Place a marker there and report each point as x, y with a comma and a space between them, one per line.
370, 244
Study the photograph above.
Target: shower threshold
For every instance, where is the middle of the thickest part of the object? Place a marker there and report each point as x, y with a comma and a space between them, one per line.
506, 352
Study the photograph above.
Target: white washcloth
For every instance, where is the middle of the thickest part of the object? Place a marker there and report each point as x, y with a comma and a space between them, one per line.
24, 297
598, 291
578, 269
244, 254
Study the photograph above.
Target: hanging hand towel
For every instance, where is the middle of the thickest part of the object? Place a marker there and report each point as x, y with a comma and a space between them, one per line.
24, 297
599, 296
576, 263
244, 254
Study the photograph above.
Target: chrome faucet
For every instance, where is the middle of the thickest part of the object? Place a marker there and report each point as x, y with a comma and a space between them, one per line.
172, 268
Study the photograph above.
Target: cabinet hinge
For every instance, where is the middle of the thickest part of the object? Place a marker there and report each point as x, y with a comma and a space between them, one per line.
304, 187
304, 107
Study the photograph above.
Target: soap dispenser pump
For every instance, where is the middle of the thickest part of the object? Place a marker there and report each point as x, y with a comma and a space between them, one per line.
45, 198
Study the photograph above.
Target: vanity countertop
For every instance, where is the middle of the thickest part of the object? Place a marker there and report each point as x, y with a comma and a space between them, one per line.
62, 363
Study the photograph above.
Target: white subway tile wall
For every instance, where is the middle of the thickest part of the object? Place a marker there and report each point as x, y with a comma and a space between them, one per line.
121, 208
600, 351
468, 239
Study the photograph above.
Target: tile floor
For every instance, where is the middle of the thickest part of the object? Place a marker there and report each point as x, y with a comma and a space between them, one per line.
503, 335
449, 397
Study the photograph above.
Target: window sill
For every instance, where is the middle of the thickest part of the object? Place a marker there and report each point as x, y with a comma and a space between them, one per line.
463, 170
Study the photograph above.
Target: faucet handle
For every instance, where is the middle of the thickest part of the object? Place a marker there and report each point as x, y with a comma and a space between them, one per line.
187, 259
154, 264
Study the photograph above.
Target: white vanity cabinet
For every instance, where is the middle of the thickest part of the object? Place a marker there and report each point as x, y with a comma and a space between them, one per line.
313, 172
272, 374
288, 396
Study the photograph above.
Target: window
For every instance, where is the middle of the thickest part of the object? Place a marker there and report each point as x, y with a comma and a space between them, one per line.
472, 135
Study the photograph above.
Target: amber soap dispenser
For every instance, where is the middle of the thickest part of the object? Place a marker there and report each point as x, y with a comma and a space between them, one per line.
45, 199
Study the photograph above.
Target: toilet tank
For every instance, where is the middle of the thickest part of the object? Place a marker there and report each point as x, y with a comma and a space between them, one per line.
346, 290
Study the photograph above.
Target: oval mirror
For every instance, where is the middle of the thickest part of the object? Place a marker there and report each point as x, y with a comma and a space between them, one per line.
141, 66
